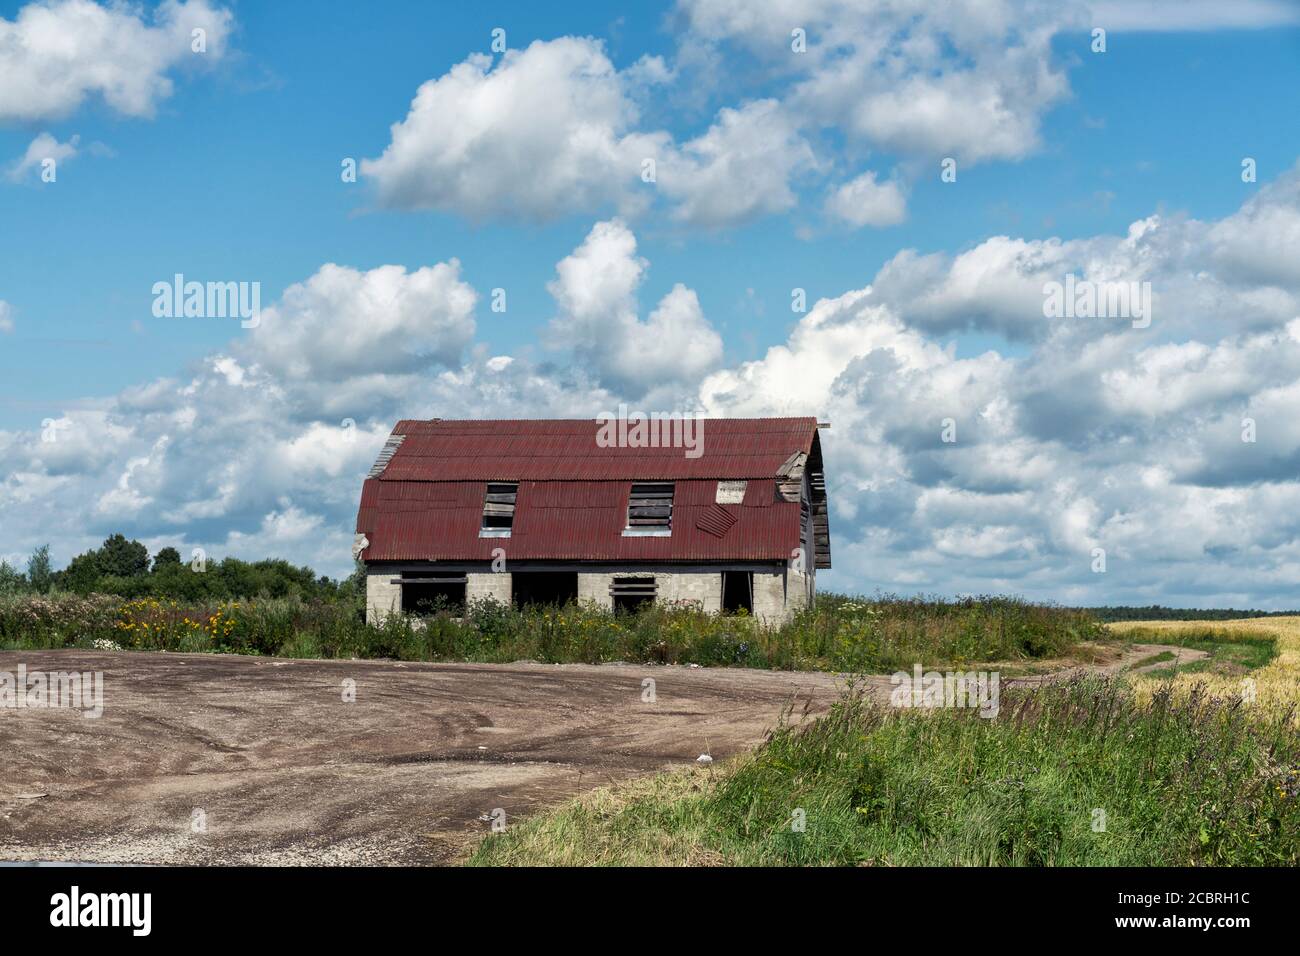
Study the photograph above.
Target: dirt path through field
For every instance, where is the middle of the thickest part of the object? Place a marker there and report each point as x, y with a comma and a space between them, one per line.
1112, 660
219, 759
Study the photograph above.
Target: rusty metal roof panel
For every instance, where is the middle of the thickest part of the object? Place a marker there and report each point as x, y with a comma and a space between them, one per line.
574, 521
573, 494
715, 520
520, 449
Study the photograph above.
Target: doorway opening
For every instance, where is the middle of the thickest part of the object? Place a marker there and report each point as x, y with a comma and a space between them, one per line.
534, 588
738, 591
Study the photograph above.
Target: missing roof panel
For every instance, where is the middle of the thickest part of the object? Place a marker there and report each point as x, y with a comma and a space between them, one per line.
730, 492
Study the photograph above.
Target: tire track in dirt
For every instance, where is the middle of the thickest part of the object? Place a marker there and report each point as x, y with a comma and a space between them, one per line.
283, 770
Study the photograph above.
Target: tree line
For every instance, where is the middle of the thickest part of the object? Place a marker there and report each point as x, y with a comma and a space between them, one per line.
124, 567
1158, 612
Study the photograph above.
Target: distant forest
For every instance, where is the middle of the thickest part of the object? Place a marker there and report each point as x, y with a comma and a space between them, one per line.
1157, 612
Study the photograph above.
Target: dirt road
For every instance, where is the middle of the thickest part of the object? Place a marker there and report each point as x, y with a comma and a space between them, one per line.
219, 759
202, 758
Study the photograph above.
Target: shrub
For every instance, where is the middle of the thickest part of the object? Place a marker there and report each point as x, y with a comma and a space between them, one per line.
59, 620
839, 634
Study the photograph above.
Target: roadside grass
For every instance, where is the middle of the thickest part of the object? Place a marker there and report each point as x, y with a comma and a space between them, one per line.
1161, 658
1181, 778
1232, 652
841, 633
1256, 659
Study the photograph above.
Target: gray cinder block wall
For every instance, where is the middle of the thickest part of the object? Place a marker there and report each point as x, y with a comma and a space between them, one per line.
702, 588
594, 589
777, 595
495, 585
382, 596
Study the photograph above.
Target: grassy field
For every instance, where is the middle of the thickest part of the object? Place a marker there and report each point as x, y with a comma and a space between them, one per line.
839, 634
1179, 769
1187, 764
1258, 658
1077, 774
1231, 653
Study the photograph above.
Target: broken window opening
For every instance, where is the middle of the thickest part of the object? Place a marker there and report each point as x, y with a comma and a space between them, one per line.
650, 507
499, 508
630, 594
427, 598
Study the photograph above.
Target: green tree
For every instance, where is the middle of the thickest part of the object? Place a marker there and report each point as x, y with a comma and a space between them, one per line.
355, 584
40, 575
12, 581
167, 557
121, 566
121, 558
179, 581
82, 573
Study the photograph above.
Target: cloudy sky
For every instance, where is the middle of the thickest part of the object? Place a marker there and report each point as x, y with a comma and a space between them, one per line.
841, 208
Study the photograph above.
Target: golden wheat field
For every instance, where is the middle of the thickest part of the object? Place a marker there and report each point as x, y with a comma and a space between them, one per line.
1276, 685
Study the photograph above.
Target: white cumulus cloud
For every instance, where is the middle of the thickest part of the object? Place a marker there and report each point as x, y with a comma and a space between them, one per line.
595, 290
970, 78
53, 55
863, 201
542, 132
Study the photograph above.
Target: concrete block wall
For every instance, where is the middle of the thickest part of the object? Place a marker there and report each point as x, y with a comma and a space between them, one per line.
777, 595
491, 585
770, 596
775, 599
799, 589
702, 589
382, 596
594, 589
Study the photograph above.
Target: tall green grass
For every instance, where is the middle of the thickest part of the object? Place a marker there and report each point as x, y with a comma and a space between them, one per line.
840, 633
1231, 650
1075, 774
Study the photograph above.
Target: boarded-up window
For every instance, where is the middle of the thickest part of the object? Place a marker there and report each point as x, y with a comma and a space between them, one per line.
630, 593
650, 506
499, 506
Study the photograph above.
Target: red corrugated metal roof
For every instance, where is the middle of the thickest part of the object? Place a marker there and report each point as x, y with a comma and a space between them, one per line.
427, 504
518, 449
573, 521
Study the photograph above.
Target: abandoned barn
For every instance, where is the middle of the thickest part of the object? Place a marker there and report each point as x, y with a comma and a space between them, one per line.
531, 511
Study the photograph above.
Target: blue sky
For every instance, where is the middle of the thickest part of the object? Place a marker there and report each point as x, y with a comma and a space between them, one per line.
230, 170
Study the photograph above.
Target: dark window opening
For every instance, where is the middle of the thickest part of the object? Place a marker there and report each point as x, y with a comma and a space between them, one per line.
532, 588
650, 506
499, 506
738, 591
630, 594
429, 597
